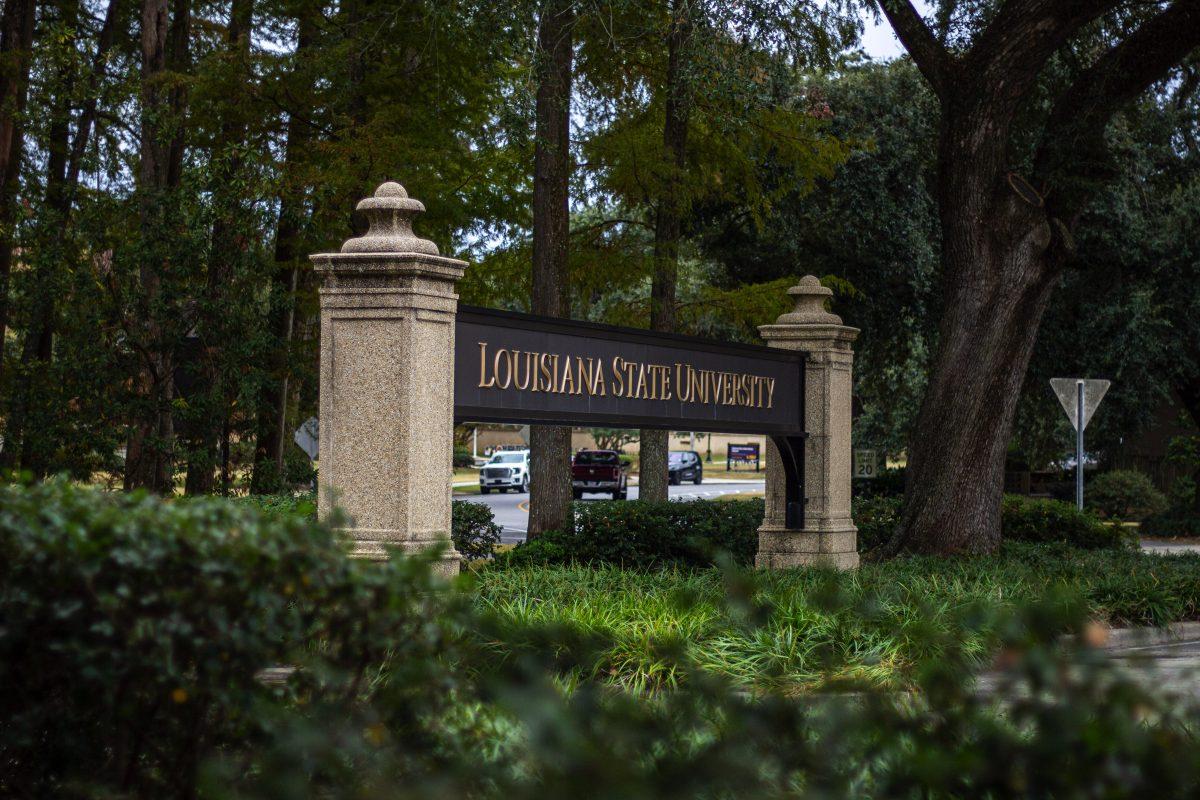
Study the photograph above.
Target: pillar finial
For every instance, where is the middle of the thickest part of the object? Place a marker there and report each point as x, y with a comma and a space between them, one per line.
810, 298
390, 213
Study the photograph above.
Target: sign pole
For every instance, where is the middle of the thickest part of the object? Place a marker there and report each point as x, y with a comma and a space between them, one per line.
1079, 447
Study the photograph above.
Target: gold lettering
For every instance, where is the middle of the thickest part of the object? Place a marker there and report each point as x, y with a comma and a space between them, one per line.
517, 371
484, 381
664, 376
630, 368
544, 371
770, 392
567, 379
641, 390
598, 382
618, 379
585, 375
506, 356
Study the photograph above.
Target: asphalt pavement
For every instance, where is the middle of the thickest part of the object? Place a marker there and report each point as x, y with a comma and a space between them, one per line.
512, 510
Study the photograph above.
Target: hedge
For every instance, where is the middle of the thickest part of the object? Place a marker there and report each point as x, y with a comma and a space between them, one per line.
132, 629
647, 534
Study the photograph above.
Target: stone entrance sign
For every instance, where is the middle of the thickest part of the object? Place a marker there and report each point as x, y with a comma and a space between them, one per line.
400, 361
520, 368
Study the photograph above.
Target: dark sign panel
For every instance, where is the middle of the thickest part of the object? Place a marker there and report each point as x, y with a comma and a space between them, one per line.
526, 369
742, 452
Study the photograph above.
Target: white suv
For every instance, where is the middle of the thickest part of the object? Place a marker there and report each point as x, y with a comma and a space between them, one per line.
508, 469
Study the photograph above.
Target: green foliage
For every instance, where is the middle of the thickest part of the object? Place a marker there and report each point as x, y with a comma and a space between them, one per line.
645, 534
876, 624
462, 457
1022, 520
1172, 524
888, 483
473, 529
134, 630
876, 518
1034, 520
1125, 494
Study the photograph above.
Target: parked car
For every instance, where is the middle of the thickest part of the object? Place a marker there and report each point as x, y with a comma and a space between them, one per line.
683, 466
597, 472
507, 469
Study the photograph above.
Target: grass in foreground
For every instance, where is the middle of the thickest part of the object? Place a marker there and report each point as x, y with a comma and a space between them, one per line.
870, 626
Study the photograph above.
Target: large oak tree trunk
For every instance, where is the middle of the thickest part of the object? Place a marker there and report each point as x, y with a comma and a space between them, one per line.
550, 492
998, 276
16, 41
653, 450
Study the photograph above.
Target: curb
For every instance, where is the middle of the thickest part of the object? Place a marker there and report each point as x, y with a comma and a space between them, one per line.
1127, 638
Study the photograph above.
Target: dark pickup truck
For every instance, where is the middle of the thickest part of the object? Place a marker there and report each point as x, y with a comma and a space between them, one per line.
599, 471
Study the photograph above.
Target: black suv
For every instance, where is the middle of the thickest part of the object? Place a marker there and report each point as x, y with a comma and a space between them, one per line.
684, 466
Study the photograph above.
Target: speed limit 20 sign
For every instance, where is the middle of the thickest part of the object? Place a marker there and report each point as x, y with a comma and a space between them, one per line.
866, 464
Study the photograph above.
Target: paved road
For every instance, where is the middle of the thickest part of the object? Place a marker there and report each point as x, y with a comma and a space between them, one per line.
512, 510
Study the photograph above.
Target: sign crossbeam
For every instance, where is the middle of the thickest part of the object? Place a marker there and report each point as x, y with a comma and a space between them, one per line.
521, 369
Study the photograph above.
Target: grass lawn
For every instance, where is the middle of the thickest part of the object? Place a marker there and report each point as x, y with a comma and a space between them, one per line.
817, 628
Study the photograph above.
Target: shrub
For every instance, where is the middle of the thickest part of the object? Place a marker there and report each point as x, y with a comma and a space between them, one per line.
1022, 519
1033, 520
473, 529
133, 629
1174, 523
876, 518
888, 483
645, 534
1125, 494
462, 457
300, 506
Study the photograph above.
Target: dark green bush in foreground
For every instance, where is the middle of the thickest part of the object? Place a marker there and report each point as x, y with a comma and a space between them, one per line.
645, 534
131, 632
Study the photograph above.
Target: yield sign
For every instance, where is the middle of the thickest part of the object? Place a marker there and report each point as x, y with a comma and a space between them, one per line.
1067, 390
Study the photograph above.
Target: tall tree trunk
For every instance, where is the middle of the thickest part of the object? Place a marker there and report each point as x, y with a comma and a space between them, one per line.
48, 259
550, 491
668, 230
271, 428
207, 435
150, 453
16, 41
998, 274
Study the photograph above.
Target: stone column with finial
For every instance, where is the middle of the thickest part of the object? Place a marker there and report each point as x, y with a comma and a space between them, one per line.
388, 305
828, 535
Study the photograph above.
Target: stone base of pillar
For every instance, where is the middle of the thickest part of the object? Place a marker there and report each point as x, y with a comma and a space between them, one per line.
780, 547
373, 546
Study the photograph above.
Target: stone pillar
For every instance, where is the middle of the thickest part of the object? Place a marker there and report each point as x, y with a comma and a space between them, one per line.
828, 536
388, 304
